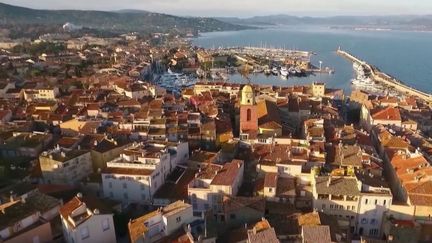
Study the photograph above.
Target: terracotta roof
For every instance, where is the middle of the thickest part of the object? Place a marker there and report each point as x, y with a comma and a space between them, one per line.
316, 233
270, 180
127, 171
388, 113
227, 175
69, 207
232, 204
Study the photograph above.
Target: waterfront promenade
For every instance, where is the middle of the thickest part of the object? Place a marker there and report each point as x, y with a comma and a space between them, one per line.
387, 80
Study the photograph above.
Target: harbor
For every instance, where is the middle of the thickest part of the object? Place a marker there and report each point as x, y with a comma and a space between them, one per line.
384, 79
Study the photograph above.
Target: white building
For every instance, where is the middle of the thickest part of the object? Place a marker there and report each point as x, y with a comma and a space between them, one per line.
41, 94
161, 223
26, 217
141, 170
361, 201
376, 199
82, 222
61, 166
212, 182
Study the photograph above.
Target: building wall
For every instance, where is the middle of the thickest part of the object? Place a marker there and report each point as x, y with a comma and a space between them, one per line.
318, 90
130, 189
289, 170
371, 211
203, 199
8, 231
100, 159
41, 233
252, 124
95, 229
68, 172
176, 221
270, 192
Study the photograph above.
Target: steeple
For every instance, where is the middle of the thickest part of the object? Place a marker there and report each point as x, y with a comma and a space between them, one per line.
247, 95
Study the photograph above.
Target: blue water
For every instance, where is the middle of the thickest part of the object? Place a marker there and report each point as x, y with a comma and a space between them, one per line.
404, 55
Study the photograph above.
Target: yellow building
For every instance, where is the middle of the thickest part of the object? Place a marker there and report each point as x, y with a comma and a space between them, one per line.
318, 89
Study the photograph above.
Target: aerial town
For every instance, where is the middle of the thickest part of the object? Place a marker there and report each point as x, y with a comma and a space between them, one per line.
145, 138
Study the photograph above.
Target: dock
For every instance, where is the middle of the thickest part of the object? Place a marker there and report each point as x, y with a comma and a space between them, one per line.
386, 79
273, 53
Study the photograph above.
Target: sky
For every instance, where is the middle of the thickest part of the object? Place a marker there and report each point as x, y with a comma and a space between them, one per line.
242, 8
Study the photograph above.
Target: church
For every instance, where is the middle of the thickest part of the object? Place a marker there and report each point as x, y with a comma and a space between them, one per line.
256, 118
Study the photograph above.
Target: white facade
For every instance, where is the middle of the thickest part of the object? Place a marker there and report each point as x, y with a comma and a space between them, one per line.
141, 170
206, 192
370, 214
162, 222
81, 225
364, 207
65, 167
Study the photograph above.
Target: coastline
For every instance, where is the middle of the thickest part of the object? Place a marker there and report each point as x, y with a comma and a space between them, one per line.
383, 78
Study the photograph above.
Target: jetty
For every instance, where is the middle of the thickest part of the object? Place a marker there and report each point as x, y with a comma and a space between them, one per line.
386, 79
273, 53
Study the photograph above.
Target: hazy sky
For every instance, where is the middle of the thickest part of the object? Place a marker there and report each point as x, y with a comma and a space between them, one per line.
243, 8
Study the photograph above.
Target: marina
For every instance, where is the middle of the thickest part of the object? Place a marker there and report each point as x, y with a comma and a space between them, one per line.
384, 79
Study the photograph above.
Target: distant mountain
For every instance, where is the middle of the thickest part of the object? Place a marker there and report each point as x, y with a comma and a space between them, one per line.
402, 20
125, 20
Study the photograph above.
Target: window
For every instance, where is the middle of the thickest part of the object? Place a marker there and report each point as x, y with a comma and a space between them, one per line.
178, 219
373, 232
353, 208
124, 185
110, 184
36, 239
248, 115
125, 195
323, 206
270, 189
84, 233
331, 206
366, 201
373, 221
364, 221
348, 207
105, 225
376, 201
384, 202
142, 187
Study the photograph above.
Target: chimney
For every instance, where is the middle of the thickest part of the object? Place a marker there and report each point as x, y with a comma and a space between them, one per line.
329, 181
12, 196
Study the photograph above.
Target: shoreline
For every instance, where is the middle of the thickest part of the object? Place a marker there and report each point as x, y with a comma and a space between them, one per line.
383, 78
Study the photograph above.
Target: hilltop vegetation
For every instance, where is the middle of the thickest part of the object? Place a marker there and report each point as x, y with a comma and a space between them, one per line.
122, 21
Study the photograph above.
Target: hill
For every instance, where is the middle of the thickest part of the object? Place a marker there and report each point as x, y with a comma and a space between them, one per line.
405, 21
128, 20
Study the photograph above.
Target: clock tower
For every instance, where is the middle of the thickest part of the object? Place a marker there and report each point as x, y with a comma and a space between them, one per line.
248, 110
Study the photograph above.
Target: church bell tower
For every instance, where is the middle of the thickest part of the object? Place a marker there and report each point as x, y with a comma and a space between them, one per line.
248, 110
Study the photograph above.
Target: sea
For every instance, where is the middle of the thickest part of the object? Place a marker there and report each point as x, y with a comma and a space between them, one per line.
404, 55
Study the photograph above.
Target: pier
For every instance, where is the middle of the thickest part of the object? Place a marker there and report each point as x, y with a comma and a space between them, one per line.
386, 79
274, 53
